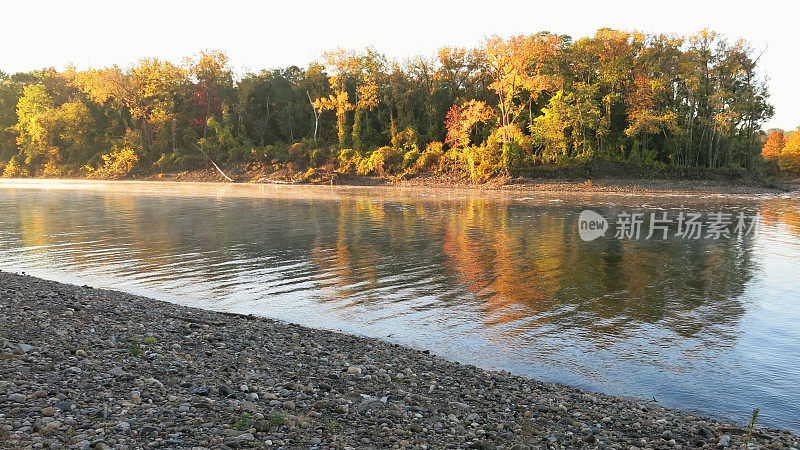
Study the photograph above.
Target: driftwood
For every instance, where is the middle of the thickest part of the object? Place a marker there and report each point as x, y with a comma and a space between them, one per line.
214, 164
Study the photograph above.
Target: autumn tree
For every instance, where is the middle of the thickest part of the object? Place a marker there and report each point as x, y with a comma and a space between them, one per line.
515, 66
213, 77
52, 139
462, 119
147, 92
789, 158
775, 143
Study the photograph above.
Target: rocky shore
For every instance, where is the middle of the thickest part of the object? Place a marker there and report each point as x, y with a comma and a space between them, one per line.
90, 368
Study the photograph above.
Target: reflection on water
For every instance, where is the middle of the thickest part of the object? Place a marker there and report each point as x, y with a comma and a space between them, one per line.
496, 279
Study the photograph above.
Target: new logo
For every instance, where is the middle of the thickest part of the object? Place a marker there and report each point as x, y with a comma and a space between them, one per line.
591, 225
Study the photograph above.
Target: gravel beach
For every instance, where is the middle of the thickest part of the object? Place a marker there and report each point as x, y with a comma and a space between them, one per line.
90, 368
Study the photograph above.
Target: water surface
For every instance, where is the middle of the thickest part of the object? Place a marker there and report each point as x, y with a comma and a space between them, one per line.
497, 279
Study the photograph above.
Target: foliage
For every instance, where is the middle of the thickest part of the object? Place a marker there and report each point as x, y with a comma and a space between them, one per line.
13, 169
276, 418
751, 427
383, 161
508, 105
117, 164
775, 143
789, 158
244, 421
461, 121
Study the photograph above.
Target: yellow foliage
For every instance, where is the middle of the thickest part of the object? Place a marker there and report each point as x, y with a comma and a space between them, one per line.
117, 164
382, 161
789, 158
432, 155
14, 170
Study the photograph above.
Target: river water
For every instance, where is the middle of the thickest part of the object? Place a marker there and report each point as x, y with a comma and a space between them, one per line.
502, 280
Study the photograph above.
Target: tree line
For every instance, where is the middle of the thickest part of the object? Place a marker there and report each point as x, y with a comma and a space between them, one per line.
511, 103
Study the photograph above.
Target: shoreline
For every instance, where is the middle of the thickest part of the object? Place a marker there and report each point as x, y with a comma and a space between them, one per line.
624, 186
84, 367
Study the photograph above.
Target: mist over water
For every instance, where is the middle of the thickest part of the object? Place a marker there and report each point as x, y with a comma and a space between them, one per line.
501, 280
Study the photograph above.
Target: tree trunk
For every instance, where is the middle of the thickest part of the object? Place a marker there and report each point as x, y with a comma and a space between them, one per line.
316, 116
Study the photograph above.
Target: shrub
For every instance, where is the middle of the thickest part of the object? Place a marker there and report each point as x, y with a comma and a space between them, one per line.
240, 153
789, 158
481, 162
383, 161
177, 160
298, 155
320, 157
476, 163
349, 160
276, 418
410, 158
117, 164
512, 146
14, 169
244, 421
311, 175
406, 139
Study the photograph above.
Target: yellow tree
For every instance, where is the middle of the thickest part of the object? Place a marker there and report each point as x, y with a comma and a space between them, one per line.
515, 65
157, 83
340, 103
147, 91
341, 63
644, 120
366, 100
789, 159
362, 68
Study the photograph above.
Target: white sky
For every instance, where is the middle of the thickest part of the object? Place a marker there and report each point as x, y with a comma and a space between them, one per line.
260, 35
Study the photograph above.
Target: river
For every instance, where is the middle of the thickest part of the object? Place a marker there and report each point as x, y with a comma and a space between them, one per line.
499, 279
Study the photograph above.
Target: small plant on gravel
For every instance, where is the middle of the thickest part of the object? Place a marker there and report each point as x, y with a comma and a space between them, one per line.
276, 418
135, 349
751, 427
149, 340
244, 421
331, 425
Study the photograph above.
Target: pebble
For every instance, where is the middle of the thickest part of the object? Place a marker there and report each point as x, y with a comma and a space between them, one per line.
17, 397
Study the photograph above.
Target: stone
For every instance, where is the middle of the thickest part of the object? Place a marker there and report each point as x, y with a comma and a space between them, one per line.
226, 391
201, 390
24, 348
51, 427
17, 397
148, 431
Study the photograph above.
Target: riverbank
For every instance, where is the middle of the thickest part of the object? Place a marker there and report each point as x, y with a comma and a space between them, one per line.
621, 186
84, 367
